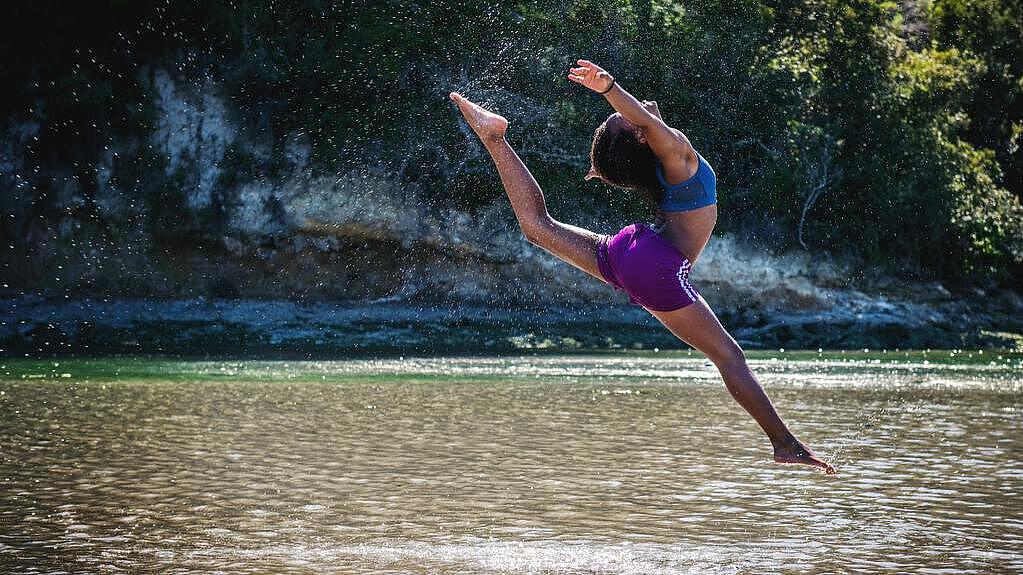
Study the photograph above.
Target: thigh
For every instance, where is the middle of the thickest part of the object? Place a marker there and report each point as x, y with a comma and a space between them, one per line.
697, 325
572, 244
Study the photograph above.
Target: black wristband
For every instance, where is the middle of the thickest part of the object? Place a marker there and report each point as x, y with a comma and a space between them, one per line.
609, 88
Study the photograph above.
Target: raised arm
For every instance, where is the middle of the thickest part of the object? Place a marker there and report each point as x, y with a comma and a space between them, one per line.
671, 146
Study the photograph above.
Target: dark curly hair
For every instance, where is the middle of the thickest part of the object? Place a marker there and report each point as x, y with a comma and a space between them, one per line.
624, 161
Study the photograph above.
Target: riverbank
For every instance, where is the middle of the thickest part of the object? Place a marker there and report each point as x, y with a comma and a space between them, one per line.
38, 327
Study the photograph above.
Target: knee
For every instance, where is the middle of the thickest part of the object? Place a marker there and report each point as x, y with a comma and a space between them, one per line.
729, 356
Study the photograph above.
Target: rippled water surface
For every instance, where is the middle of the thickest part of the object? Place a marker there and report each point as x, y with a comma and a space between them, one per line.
600, 464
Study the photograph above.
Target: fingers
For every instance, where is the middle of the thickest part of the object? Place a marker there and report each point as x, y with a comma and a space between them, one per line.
577, 79
589, 65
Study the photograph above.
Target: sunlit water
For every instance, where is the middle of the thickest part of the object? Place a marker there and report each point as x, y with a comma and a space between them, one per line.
601, 464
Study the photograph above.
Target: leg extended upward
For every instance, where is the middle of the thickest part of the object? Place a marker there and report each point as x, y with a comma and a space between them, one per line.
694, 324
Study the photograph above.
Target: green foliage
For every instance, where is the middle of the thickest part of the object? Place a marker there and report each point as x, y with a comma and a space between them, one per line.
889, 129
992, 31
987, 220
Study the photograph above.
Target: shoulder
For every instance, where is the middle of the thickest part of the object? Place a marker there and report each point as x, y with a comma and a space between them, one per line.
682, 163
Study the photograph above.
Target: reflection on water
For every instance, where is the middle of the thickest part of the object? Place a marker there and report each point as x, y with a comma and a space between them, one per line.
616, 464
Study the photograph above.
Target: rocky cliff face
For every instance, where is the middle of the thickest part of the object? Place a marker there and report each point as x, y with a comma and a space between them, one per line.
206, 207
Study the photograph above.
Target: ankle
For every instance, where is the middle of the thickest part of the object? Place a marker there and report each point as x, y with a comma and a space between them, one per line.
492, 139
787, 443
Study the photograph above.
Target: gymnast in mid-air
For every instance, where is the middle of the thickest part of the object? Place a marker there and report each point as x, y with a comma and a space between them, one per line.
634, 149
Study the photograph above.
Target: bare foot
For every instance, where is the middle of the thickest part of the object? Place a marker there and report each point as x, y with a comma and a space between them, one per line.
801, 454
487, 125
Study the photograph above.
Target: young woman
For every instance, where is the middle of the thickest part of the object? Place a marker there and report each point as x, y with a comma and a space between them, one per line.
635, 149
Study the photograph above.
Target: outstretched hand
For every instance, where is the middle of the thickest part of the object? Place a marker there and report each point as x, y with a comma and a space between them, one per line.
592, 76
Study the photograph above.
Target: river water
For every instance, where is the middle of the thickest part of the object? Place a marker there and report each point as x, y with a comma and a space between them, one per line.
618, 463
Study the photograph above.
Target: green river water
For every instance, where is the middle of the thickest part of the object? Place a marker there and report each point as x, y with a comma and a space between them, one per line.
612, 463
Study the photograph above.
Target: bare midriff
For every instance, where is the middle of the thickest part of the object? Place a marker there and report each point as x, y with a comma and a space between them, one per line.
690, 231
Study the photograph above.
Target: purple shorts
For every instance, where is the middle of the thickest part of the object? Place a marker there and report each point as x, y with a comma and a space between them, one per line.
640, 262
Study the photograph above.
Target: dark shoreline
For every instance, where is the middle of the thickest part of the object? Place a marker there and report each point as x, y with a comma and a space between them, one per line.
201, 328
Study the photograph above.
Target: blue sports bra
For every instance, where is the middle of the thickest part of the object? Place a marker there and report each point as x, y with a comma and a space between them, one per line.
696, 192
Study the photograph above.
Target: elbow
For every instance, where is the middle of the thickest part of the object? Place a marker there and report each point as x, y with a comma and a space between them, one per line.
535, 231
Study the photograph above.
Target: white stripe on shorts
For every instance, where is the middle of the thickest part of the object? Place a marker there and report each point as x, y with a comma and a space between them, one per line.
683, 280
